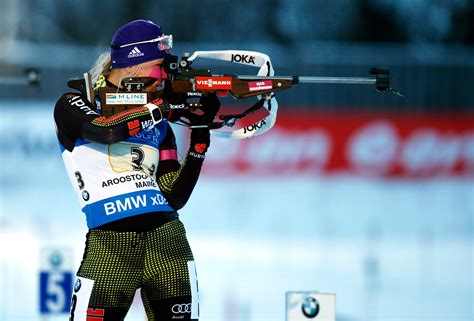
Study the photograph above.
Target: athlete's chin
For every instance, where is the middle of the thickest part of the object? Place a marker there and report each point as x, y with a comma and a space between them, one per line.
156, 88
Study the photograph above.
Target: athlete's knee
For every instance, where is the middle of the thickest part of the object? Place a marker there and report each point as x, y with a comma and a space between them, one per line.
85, 309
179, 308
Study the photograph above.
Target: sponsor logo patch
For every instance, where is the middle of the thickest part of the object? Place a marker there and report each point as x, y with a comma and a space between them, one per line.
133, 127
147, 125
196, 155
76, 101
85, 195
77, 285
135, 53
95, 314
214, 83
125, 98
181, 308
200, 148
245, 59
260, 85
255, 126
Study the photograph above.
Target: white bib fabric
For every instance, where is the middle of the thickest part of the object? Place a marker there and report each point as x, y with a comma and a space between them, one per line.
118, 180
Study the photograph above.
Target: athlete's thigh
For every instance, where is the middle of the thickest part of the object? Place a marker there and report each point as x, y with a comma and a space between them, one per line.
91, 302
172, 295
170, 289
108, 277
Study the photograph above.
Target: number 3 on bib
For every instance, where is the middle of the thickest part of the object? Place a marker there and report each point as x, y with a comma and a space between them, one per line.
126, 157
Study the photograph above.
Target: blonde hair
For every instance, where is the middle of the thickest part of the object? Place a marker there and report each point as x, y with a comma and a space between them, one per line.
102, 66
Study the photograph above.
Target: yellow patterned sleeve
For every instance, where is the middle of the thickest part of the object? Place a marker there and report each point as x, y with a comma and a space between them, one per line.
168, 180
120, 117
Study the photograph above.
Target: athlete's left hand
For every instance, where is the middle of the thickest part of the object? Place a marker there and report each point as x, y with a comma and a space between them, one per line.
200, 136
210, 106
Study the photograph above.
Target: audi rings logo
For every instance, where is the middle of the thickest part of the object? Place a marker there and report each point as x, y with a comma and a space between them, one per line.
181, 308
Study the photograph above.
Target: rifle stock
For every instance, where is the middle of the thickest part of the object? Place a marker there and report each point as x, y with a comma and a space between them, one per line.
238, 86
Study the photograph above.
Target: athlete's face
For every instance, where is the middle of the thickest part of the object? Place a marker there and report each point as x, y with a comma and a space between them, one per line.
152, 69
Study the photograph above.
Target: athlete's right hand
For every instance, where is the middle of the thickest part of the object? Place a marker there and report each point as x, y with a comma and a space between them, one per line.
157, 109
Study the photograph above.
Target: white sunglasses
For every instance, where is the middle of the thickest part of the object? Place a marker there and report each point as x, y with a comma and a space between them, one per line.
165, 42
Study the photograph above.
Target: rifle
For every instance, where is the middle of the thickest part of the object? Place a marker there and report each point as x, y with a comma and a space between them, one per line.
194, 83
185, 79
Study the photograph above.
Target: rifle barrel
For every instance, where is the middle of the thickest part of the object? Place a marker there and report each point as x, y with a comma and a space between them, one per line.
337, 80
316, 80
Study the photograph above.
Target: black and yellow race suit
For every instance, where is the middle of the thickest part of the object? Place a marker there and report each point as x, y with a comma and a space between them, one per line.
130, 185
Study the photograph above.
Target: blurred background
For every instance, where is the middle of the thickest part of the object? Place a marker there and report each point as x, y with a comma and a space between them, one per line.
355, 192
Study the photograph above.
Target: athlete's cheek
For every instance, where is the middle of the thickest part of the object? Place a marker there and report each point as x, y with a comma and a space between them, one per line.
158, 73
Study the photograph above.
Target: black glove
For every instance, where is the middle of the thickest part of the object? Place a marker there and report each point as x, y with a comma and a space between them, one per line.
210, 107
198, 114
200, 142
200, 136
175, 98
173, 112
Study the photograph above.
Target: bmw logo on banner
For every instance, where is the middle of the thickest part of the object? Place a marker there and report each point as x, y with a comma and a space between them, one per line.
304, 305
310, 307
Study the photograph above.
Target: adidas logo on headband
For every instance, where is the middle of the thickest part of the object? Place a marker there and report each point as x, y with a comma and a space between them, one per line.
135, 53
